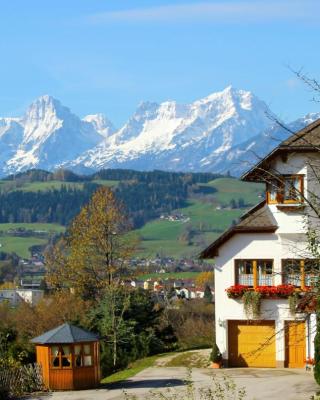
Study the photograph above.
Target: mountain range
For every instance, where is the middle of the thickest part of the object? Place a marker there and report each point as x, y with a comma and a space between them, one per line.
225, 131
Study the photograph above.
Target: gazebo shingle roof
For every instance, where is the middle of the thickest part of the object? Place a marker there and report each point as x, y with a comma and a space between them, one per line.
65, 333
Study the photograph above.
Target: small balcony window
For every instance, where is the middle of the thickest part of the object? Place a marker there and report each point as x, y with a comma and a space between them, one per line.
287, 189
299, 272
254, 272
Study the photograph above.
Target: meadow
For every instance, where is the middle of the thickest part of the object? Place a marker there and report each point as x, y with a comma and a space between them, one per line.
209, 215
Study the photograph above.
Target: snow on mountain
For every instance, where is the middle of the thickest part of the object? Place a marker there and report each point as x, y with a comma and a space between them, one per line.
49, 135
221, 132
101, 124
243, 156
179, 137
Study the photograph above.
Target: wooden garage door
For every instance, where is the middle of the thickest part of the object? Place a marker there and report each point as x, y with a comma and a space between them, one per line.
295, 344
251, 344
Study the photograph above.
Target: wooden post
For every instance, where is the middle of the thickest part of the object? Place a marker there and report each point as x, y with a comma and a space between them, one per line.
302, 275
255, 274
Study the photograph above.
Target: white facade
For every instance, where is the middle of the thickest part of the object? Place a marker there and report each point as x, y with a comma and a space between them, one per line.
254, 246
16, 296
287, 242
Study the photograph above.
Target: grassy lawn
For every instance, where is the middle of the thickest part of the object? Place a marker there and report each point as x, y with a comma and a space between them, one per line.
133, 369
168, 275
19, 245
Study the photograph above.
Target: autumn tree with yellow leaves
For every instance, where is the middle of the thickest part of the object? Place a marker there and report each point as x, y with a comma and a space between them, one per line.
93, 252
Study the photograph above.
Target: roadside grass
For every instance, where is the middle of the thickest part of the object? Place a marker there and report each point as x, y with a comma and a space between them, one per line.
169, 275
133, 369
190, 359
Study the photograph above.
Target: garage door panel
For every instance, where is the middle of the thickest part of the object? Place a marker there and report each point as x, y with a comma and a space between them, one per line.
251, 344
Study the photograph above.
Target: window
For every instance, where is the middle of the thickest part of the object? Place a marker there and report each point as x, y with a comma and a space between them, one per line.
83, 355
61, 356
287, 189
300, 273
254, 272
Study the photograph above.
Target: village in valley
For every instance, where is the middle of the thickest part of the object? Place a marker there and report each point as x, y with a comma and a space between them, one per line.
160, 237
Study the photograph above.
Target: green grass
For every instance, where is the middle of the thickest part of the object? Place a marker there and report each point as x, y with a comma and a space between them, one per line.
208, 222
104, 182
50, 185
19, 245
164, 237
132, 370
230, 188
33, 226
170, 275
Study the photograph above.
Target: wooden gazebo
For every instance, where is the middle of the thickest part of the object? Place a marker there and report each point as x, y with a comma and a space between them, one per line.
69, 357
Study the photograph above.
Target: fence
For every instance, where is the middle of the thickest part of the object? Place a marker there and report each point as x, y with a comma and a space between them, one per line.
20, 380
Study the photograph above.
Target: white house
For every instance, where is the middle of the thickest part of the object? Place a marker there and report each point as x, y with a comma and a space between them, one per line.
266, 252
16, 296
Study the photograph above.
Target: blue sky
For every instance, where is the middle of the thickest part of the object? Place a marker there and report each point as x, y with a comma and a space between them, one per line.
107, 56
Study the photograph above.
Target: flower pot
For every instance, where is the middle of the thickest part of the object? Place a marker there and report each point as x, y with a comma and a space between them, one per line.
215, 364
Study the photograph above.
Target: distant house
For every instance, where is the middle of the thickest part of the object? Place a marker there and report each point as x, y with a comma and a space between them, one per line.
16, 296
266, 252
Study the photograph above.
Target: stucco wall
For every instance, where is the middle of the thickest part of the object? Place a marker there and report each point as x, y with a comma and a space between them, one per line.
250, 246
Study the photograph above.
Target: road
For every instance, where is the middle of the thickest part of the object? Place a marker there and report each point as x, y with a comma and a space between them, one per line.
260, 384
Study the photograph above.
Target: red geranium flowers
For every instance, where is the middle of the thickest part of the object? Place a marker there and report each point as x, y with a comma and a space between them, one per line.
282, 291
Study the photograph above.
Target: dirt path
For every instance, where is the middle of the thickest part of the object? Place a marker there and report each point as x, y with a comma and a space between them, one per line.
202, 353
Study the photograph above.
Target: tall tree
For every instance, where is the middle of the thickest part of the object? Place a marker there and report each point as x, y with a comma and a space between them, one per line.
95, 248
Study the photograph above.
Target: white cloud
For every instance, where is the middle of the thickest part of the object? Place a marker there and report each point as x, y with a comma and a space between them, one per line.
219, 11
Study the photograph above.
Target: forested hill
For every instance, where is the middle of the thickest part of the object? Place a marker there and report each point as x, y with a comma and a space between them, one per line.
41, 196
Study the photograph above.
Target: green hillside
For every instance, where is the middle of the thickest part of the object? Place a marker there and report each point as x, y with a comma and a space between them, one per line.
208, 219
210, 207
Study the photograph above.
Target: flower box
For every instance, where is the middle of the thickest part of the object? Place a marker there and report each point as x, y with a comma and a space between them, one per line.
272, 292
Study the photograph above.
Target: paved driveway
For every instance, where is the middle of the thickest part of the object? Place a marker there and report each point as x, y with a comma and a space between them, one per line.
261, 384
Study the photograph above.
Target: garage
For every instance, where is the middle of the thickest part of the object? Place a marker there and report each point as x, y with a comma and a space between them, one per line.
251, 344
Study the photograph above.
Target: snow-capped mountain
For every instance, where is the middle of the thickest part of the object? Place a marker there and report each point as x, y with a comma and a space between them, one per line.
101, 124
45, 137
181, 137
221, 132
243, 156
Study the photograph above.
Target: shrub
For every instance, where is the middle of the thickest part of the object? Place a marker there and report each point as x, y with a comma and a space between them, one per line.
215, 355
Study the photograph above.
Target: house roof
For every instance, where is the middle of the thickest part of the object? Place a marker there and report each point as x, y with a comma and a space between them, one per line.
307, 139
258, 219
65, 333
